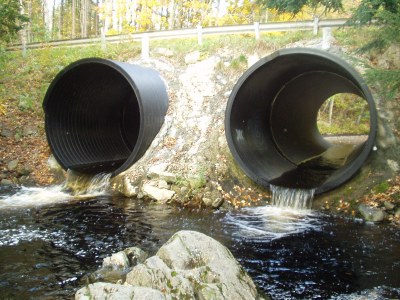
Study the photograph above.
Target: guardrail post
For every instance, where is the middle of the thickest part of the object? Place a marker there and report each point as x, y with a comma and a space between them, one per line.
315, 28
103, 39
257, 30
199, 35
326, 38
145, 46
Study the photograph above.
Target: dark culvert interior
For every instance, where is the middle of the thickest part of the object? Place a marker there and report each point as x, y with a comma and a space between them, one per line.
271, 120
102, 115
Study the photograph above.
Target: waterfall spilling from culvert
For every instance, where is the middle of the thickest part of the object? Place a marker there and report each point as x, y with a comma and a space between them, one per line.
87, 185
76, 186
283, 197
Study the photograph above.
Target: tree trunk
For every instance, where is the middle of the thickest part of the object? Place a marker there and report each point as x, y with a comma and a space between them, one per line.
60, 20
73, 18
84, 18
171, 14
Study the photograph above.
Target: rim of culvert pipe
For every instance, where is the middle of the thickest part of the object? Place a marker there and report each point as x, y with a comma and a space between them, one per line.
347, 172
139, 148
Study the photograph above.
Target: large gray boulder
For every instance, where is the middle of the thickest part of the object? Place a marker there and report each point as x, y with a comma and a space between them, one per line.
111, 291
193, 265
190, 265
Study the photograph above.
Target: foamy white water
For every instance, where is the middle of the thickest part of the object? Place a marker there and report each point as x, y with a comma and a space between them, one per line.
268, 222
35, 196
38, 196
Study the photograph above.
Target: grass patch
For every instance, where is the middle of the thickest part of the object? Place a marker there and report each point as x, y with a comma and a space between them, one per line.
24, 80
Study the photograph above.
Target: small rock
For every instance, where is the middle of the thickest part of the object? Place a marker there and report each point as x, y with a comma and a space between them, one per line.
207, 201
371, 214
227, 94
393, 165
161, 195
135, 255
12, 165
252, 60
6, 182
192, 57
117, 261
29, 130
6, 133
388, 205
59, 175
217, 202
162, 184
159, 172
26, 181
128, 189
105, 275
164, 52
397, 213
24, 171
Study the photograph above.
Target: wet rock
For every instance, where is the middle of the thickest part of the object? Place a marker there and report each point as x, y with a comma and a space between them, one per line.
195, 266
26, 181
101, 290
12, 165
57, 171
371, 214
105, 275
397, 213
127, 188
155, 193
125, 259
6, 182
116, 266
207, 201
135, 255
217, 202
117, 261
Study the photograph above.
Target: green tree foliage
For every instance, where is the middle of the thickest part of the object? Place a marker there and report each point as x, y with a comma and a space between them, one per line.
295, 6
385, 16
11, 19
382, 13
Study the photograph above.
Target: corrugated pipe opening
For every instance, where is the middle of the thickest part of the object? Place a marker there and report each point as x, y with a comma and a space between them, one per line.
102, 115
271, 120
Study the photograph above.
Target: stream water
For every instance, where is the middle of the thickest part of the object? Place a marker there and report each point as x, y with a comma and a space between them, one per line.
49, 240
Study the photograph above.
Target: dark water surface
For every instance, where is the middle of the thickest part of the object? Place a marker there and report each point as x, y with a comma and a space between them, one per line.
45, 249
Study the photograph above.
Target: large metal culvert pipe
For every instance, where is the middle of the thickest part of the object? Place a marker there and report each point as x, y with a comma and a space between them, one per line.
271, 119
102, 115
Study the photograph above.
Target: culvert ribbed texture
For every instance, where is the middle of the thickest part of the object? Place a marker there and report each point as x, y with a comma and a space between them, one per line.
271, 119
102, 115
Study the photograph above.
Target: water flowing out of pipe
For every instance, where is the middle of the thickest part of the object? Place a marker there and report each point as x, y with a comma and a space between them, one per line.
75, 187
291, 198
84, 185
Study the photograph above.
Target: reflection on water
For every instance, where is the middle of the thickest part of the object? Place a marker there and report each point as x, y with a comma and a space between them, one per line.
46, 249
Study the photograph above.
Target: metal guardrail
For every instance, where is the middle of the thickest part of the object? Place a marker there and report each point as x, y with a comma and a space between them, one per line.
255, 28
